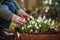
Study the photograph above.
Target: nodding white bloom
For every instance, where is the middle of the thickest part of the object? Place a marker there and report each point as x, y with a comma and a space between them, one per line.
36, 31
49, 20
28, 19
52, 23
31, 30
39, 19
45, 21
36, 26
44, 18
22, 28
29, 26
32, 17
33, 22
30, 22
39, 25
45, 2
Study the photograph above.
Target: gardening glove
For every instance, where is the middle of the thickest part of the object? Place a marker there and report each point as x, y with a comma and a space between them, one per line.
18, 20
22, 13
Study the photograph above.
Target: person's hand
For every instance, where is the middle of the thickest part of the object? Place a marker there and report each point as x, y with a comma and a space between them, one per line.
24, 15
18, 20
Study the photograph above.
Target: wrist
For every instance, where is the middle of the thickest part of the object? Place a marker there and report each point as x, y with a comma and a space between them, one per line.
20, 11
14, 17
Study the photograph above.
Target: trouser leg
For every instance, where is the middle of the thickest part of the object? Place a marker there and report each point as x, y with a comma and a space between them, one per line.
5, 24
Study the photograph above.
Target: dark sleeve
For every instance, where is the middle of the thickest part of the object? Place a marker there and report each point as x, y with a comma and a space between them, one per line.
16, 4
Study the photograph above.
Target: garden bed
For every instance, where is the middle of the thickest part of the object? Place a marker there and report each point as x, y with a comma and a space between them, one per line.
41, 37
38, 29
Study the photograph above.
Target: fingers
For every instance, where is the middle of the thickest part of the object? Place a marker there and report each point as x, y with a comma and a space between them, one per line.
24, 15
20, 21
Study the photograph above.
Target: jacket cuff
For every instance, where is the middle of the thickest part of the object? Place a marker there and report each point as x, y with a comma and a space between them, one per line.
20, 11
14, 17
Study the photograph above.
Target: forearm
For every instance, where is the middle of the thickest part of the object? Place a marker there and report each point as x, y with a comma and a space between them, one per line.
20, 11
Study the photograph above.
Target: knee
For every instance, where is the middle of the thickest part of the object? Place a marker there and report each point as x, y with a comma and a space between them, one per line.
10, 3
4, 7
11, 6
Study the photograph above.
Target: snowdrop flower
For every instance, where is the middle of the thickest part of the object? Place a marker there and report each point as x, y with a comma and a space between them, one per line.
49, 20
32, 17
36, 26
39, 25
39, 19
45, 21
31, 30
44, 18
52, 23
22, 27
33, 22
45, 2
30, 22
29, 26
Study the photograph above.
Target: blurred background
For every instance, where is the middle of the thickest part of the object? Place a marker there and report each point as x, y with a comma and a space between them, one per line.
49, 7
